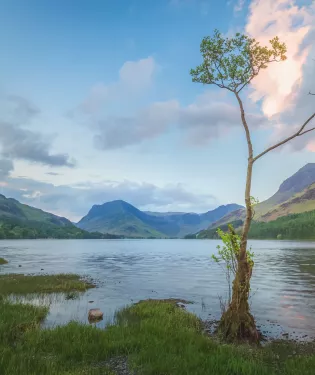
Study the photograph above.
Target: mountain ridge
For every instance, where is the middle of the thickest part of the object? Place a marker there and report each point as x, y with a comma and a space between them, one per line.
120, 217
18, 220
295, 195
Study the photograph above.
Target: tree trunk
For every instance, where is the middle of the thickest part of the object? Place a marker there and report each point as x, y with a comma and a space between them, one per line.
237, 323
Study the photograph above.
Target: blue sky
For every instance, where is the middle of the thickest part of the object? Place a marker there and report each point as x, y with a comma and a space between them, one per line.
97, 103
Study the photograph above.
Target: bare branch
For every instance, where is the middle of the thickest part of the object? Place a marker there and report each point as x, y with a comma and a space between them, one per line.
310, 93
306, 131
297, 134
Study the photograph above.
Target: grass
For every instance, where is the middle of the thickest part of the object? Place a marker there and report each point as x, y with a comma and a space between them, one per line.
3, 261
157, 337
19, 284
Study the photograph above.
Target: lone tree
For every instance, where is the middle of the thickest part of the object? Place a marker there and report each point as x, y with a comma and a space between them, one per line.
231, 64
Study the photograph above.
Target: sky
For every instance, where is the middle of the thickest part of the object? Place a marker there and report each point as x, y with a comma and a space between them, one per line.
97, 103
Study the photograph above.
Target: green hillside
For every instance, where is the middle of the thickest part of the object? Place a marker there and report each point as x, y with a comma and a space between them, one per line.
295, 195
19, 221
11, 208
291, 227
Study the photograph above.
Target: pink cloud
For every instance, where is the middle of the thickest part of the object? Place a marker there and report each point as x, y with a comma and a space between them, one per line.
291, 23
281, 88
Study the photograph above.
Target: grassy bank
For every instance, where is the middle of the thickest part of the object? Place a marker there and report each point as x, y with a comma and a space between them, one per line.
3, 261
156, 337
23, 284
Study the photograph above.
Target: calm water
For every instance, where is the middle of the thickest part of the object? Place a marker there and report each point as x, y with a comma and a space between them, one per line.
283, 285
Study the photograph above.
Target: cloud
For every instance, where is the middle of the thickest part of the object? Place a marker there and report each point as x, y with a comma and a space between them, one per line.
54, 174
202, 121
17, 110
78, 199
282, 88
17, 142
6, 166
291, 23
238, 7
134, 78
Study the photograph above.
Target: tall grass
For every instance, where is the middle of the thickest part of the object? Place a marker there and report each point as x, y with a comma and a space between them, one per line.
20, 284
156, 337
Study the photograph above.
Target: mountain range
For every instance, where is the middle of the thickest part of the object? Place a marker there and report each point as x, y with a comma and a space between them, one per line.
296, 195
292, 206
121, 218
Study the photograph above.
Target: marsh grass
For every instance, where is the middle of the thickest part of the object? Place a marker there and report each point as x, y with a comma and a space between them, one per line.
3, 261
157, 337
19, 284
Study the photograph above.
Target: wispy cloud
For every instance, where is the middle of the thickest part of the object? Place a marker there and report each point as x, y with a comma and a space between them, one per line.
239, 6
19, 142
199, 122
76, 200
134, 78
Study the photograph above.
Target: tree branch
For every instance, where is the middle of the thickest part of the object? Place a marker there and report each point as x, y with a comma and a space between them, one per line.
245, 125
297, 134
310, 93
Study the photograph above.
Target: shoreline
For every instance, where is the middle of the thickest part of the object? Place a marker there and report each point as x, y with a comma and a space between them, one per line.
151, 337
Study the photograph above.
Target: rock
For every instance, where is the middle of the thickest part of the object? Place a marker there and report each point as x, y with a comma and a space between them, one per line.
95, 314
91, 301
20, 265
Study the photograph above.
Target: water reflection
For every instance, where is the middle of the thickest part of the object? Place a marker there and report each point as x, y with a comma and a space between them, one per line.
283, 284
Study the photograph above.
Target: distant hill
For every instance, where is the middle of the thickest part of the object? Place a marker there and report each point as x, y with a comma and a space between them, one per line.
19, 221
13, 209
119, 217
296, 195
289, 188
290, 227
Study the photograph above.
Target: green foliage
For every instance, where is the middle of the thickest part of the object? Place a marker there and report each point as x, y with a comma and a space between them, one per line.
213, 232
3, 261
295, 226
231, 63
228, 253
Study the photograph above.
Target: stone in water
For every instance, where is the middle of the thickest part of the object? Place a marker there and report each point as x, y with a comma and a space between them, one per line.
95, 314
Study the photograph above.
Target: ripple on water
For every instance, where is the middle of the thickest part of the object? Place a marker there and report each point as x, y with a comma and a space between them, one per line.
283, 283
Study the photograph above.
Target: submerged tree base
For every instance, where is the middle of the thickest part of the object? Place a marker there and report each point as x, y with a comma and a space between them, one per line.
236, 326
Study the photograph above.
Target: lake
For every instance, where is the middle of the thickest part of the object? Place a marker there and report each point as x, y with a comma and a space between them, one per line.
283, 283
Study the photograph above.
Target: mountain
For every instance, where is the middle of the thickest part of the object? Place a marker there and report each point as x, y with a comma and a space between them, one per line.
289, 188
290, 227
295, 195
19, 220
13, 209
119, 217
